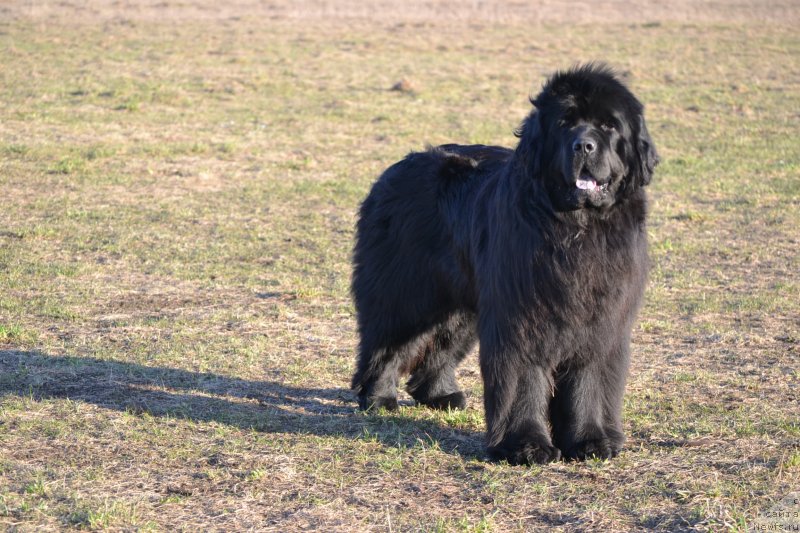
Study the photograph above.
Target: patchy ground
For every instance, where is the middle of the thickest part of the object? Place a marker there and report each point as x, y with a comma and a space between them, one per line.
179, 185
784, 12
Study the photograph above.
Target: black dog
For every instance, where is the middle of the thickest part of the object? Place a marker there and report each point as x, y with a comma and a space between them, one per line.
540, 253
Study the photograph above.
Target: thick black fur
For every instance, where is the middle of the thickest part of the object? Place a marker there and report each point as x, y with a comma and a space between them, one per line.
465, 243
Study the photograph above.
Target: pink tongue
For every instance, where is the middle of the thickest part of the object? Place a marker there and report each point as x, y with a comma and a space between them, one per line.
586, 184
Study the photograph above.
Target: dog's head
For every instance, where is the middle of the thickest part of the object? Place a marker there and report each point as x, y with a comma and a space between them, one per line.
587, 139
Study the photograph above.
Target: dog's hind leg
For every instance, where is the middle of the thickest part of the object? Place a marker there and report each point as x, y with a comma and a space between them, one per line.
433, 379
380, 365
375, 380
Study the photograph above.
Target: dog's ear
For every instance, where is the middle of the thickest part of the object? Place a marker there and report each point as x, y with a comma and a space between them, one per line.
646, 155
529, 134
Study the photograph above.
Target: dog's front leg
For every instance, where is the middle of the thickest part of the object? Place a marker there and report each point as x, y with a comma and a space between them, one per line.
586, 411
516, 398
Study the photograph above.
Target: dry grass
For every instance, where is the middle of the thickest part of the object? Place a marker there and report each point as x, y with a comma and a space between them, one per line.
179, 187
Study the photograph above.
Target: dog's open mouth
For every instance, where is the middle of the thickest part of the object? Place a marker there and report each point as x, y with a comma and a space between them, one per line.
587, 182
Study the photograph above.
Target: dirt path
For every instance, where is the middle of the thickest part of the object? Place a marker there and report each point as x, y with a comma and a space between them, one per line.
535, 11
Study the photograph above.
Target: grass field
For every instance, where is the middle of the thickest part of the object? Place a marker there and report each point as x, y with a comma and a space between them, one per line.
177, 204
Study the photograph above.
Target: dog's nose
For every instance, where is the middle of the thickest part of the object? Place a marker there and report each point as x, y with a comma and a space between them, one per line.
585, 145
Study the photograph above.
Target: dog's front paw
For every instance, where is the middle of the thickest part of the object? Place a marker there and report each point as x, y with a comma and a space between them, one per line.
525, 452
599, 448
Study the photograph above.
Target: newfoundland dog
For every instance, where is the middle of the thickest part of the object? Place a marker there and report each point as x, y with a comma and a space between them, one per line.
538, 253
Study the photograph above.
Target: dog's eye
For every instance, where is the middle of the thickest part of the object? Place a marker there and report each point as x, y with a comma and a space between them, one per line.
607, 127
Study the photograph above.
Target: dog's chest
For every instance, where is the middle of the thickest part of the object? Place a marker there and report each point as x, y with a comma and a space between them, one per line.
590, 277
